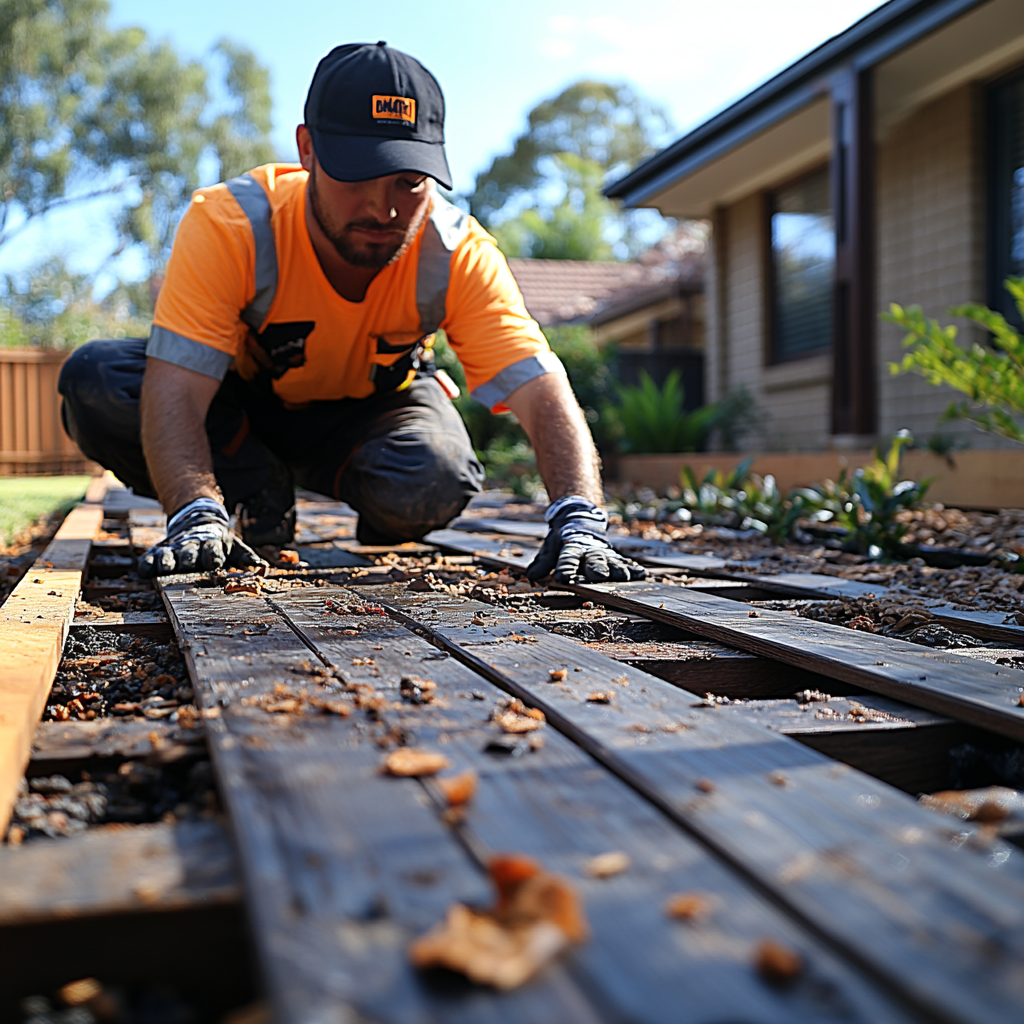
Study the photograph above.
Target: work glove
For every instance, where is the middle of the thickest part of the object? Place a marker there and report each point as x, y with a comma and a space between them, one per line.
576, 548
198, 539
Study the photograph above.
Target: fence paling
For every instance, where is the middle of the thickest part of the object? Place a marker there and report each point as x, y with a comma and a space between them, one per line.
32, 439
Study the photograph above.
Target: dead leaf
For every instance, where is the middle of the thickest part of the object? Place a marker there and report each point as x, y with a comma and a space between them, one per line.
537, 916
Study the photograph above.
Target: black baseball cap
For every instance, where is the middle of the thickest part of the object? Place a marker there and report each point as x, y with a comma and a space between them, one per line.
374, 111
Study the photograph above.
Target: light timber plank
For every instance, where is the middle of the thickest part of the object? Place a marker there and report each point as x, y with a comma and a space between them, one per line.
34, 623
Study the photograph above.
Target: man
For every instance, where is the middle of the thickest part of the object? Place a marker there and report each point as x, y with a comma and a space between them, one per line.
292, 343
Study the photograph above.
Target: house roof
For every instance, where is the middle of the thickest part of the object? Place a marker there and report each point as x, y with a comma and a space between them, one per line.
874, 38
558, 291
564, 291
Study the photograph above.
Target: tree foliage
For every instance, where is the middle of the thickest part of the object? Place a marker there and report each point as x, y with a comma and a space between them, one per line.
88, 112
544, 197
993, 379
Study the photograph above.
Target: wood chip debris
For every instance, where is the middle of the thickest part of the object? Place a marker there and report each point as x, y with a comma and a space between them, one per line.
778, 964
988, 806
284, 700
688, 906
605, 865
249, 585
558, 674
601, 697
515, 717
418, 691
537, 916
459, 789
411, 761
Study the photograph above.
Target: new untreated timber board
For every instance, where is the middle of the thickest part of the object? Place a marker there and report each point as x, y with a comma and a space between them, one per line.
961, 688
856, 861
556, 804
34, 623
342, 866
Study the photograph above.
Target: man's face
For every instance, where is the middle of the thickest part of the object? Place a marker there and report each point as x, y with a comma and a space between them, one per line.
369, 223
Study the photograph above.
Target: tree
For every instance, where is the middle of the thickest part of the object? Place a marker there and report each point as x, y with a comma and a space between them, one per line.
89, 112
544, 198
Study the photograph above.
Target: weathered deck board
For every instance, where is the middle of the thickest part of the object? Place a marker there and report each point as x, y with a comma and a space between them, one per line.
111, 737
333, 854
557, 805
34, 623
853, 859
942, 681
117, 871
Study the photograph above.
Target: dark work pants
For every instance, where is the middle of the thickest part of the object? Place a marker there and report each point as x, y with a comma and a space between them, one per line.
402, 460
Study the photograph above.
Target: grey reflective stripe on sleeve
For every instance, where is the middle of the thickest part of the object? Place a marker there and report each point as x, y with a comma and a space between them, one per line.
255, 204
500, 386
193, 355
445, 228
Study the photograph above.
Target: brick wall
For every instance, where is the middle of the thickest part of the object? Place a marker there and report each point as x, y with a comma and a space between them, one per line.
929, 245
930, 224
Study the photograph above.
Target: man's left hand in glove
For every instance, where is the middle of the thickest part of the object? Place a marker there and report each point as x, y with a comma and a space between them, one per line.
199, 538
576, 547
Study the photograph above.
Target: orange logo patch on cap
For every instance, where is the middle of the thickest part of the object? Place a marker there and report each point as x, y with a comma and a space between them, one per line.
394, 108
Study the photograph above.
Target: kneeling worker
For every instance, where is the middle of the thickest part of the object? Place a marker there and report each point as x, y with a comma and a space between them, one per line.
292, 344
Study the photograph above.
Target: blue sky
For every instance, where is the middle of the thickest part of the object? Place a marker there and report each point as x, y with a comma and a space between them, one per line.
494, 64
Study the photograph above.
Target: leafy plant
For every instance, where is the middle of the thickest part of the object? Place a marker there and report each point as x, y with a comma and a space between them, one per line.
867, 502
992, 380
653, 420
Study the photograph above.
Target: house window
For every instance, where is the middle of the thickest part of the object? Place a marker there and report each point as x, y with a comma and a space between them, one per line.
803, 251
1006, 201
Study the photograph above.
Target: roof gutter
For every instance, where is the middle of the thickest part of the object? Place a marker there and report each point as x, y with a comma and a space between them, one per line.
868, 42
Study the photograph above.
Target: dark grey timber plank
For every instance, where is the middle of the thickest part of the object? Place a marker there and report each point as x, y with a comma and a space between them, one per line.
962, 688
559, 805
134, 870
333, 854
497, 550
75, 741
861, 864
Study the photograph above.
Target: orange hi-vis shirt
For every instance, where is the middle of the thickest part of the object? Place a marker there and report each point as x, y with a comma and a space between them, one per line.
244, 290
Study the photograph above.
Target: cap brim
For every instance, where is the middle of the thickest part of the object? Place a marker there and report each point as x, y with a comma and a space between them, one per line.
362, 157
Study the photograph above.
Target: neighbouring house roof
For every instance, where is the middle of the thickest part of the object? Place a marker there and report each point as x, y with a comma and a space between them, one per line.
876, 37
560, 291
568, 291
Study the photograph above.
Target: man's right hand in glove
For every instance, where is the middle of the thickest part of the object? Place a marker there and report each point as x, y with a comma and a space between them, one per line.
198, 539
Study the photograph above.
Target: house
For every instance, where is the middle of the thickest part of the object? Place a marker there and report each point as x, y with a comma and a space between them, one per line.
885, 166
651, 308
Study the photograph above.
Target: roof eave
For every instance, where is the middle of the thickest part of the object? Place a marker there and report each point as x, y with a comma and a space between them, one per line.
875, 37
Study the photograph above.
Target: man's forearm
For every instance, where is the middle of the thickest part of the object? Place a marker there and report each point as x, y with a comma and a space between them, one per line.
558, 431
173, 415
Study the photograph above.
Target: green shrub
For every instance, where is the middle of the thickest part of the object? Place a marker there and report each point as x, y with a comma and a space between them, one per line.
992, 380
653, 420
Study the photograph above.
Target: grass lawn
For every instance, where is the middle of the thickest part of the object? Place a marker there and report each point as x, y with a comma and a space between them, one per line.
23, 499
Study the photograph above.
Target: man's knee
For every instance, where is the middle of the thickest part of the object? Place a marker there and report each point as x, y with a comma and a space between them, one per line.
101, 383
406, 487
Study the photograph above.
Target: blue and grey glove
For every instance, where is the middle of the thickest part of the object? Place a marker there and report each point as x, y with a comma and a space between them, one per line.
199, 538
576, 547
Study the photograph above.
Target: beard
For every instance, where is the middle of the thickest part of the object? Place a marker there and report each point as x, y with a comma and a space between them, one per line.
375, 255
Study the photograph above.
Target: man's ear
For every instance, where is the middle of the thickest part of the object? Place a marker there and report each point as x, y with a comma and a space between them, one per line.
304, 142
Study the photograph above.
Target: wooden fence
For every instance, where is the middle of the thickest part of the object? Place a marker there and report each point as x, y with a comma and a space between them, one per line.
32, 439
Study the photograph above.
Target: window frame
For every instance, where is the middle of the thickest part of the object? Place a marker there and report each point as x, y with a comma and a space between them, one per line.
997, 223
772, 355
